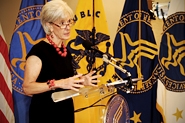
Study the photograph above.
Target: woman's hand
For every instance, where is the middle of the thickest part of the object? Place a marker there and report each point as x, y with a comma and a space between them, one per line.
78, 81
90, 79
71, 83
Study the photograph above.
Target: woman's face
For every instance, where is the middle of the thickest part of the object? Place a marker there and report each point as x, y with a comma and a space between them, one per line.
61, 28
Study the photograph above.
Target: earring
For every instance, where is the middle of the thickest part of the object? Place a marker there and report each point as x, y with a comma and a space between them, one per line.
51, 36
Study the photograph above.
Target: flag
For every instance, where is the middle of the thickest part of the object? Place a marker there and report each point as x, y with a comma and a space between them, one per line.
7, 111
171, 70
90, 26
135, 46
27, 32
176, 6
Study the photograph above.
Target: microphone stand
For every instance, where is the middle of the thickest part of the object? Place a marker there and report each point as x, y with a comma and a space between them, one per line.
129, 85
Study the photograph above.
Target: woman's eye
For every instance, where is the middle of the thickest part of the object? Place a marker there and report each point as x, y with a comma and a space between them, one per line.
62, 23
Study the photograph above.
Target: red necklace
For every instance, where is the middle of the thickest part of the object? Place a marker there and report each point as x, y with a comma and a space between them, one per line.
62, 53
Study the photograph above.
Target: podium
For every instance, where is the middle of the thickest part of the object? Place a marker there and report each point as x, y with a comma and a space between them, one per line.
110, 106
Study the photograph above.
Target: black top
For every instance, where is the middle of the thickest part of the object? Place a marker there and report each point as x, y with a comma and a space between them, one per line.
54, 66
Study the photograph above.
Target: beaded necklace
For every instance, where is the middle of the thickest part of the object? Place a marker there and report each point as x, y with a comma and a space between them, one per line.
61, 53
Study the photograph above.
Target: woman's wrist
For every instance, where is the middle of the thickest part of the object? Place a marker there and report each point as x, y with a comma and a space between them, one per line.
51, 84
59, 84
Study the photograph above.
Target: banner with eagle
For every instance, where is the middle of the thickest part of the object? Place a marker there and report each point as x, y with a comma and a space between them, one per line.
171, 69
136, 47
91, 29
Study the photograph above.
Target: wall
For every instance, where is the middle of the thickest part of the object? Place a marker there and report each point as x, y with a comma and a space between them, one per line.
8, 14
9, 10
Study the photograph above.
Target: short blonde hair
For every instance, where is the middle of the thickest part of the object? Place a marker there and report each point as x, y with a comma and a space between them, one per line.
54, 10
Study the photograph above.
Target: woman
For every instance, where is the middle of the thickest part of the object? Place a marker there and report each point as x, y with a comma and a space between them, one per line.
49, 68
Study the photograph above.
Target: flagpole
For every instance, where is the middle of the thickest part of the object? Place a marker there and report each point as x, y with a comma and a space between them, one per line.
93, 16
93, 37
139, 30
93, 30
139, 83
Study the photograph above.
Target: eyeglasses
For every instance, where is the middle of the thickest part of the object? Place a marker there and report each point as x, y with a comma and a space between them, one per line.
64, 25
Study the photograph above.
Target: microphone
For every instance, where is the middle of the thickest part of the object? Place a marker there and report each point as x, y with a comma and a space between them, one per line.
89, 46
105, 59
129, 84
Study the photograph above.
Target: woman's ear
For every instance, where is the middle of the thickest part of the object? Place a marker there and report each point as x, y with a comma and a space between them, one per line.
50, 27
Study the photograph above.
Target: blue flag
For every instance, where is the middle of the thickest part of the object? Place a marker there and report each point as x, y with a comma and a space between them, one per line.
27, 32
135, 46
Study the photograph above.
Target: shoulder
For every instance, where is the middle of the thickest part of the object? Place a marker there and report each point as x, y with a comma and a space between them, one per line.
37, 49
39, 45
